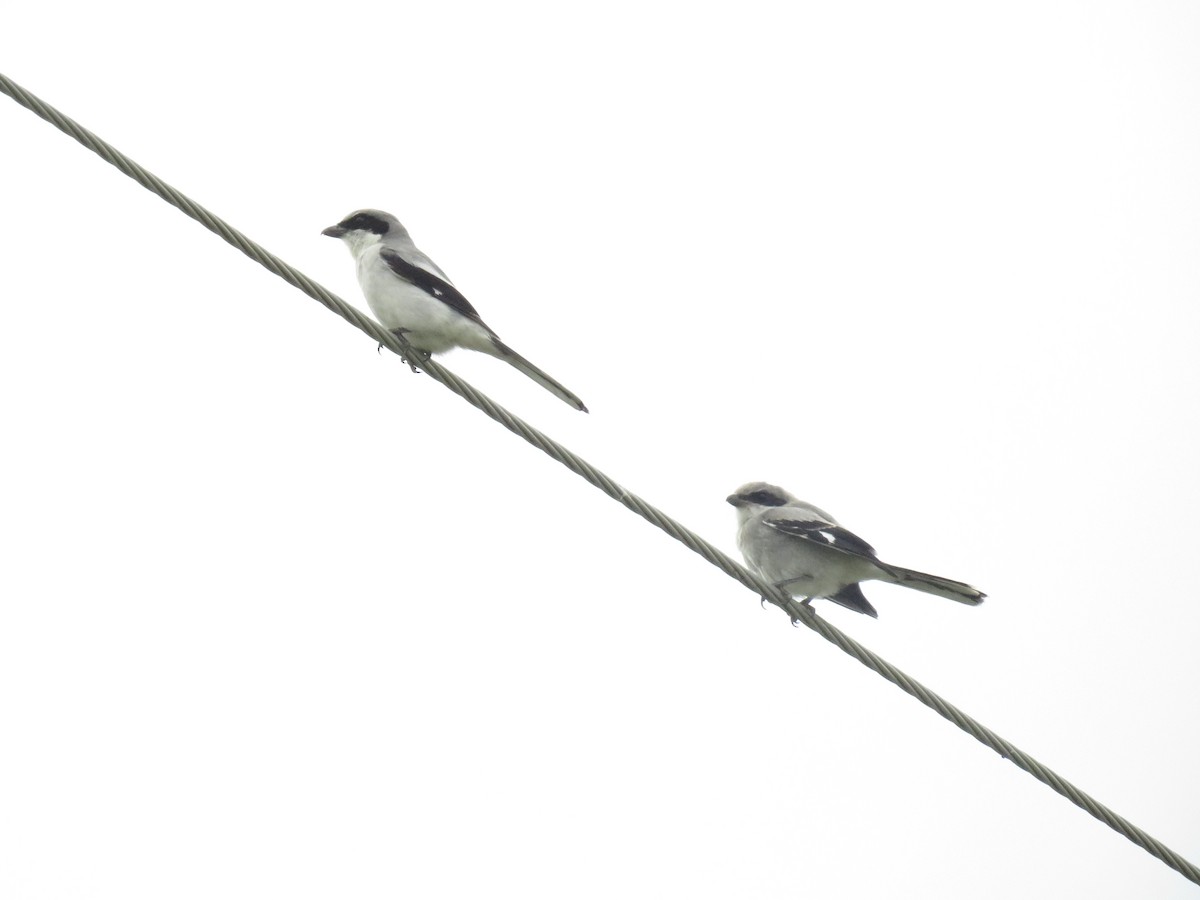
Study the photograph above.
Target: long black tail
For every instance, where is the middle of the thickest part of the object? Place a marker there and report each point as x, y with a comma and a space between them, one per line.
935, 584
521, 364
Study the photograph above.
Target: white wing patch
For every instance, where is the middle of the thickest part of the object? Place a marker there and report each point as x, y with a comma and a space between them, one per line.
827, 534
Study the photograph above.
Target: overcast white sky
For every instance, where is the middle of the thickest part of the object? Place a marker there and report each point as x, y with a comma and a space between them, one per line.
281, 619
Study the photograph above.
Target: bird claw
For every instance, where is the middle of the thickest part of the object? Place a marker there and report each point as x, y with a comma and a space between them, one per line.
422, 357
808, 611
806, 605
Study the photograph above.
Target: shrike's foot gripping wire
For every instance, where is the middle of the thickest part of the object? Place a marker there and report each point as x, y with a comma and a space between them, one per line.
806, 602
806, 605
420, 355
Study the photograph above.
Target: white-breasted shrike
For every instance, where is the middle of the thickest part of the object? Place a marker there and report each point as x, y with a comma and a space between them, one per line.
803, 550
410, 295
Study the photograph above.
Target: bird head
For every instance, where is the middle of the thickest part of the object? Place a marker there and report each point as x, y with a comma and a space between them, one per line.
364, 228
756, 496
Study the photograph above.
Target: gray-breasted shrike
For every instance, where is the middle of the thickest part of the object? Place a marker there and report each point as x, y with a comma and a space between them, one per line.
803, 550
410, 295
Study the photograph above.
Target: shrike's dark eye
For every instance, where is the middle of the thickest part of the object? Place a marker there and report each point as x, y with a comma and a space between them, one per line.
766, 498
366, 222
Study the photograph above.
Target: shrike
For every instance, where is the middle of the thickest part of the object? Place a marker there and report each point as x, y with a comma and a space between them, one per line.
412, 297
803, 550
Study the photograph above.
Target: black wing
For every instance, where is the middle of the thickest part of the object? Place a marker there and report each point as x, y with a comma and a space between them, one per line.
823, 533
430, 284
851, 597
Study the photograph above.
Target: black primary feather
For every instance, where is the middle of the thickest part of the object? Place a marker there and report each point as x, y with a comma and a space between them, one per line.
430, 283
826, 535
851, 597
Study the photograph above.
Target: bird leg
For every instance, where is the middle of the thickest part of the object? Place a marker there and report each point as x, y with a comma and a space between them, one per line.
806, 602
782, 585
400, 333
422, 356
808, 609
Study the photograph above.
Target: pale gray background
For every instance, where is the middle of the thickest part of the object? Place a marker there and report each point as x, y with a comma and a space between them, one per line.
281, 619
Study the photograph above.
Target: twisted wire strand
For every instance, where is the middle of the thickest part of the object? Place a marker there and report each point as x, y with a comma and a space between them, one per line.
798, 613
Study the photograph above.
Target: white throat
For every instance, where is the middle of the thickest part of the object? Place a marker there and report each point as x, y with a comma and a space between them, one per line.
359, 241
745, 513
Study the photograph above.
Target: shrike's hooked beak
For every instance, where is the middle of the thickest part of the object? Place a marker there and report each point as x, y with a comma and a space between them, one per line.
735, 500
334, 231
